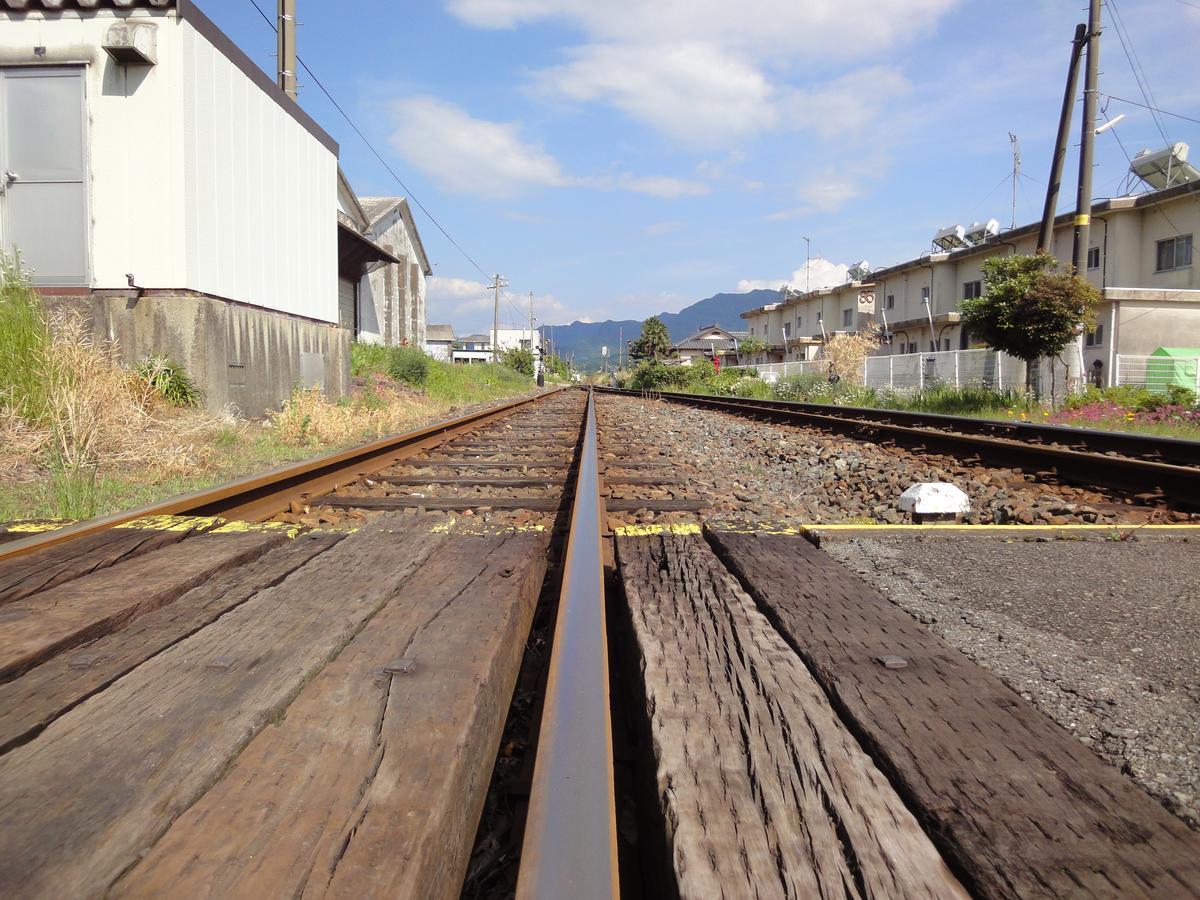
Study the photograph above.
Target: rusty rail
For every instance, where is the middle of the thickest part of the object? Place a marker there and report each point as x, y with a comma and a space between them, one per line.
570, 847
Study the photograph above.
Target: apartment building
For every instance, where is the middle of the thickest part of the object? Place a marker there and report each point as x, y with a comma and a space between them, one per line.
1140, 258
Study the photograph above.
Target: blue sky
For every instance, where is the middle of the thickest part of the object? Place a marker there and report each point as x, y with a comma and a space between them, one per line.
624, 157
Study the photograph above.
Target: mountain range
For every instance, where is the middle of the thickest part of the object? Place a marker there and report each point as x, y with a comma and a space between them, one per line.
583, 340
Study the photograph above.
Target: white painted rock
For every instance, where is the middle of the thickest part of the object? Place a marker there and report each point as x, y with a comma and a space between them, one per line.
935, 498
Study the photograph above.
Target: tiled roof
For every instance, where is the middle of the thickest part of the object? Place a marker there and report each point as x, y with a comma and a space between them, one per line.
714, 344
85, 4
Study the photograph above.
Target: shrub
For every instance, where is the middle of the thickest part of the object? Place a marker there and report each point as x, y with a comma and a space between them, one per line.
24, 336
169, 381
518, 359
368, 359
408, 364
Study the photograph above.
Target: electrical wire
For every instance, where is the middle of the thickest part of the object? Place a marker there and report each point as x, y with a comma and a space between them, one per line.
1164, 112
371, 147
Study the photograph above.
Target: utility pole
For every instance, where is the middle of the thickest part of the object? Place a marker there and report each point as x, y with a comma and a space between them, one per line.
1060, 144
807, 265
1016, 151
497, 283
285, 47
620, 347
1083, 205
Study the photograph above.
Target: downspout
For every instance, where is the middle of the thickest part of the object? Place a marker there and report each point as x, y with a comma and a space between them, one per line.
929, 305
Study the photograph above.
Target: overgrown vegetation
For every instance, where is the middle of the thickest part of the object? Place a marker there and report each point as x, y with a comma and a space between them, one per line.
519, 359
169, 380
846, 353
24, 336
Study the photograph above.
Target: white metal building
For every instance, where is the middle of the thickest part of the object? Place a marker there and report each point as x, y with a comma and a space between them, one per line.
160, 180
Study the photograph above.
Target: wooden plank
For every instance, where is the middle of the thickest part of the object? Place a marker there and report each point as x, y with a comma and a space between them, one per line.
33, 701
44, 569
40, 626
663, 505
765, 793
1014, 801
537, 504
372, 785
472, 480
85, 798
556, 465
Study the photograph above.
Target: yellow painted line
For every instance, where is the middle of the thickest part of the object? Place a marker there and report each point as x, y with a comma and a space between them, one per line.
172, 523
37, 527
238, 527
1002, 529
663, 528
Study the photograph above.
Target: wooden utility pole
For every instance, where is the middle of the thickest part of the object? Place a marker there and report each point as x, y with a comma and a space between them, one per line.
497, 283
1060, 145
285, 46
1083, 204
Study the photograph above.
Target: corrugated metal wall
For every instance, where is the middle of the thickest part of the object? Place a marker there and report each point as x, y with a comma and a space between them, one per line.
261, 193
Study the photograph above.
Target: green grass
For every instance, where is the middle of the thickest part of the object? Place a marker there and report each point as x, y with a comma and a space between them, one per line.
169, 381
24, 337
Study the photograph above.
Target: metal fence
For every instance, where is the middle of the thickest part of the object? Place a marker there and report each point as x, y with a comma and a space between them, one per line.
956, 368
1157, 373
772, 372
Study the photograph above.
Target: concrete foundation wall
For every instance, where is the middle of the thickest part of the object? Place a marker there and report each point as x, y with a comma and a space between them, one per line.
240, 356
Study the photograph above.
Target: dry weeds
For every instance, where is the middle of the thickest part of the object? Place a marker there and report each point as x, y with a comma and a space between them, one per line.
309, 418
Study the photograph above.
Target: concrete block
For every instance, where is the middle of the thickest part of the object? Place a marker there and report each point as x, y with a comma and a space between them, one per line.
932, 501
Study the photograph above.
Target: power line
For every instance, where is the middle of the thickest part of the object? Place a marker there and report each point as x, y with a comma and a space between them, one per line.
371, 147
1135, 64
1165, 112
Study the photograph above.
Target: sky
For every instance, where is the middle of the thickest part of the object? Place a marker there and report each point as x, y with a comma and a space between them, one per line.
619, 158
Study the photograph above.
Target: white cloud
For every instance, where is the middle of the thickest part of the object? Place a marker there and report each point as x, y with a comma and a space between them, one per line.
694, 92
709, 71
466, 155
816, 273
456, 296
819, 28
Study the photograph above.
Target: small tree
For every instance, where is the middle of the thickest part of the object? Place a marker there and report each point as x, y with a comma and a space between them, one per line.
749, 346
554, 365
653, 343
518, 358
1028, 310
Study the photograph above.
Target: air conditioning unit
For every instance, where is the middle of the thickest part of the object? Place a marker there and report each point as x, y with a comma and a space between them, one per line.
132, 43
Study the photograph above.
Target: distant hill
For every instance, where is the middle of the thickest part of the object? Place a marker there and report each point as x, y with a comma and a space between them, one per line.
584, 339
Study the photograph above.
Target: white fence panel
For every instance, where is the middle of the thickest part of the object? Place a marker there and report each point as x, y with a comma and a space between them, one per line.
1157, 373
959, 368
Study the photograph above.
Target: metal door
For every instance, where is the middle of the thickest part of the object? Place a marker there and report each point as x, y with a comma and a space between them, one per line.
43, 190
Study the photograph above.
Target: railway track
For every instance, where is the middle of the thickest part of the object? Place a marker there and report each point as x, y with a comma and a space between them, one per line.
1156, 468
322, 681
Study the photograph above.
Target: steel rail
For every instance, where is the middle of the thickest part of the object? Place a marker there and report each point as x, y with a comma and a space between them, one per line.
1180, 483
258, 497
570, 845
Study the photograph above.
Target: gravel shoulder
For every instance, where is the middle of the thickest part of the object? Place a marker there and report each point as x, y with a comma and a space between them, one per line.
1102, 636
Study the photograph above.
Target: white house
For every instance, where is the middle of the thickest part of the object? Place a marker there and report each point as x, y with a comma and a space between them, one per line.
162, 183
477, 348
439, 341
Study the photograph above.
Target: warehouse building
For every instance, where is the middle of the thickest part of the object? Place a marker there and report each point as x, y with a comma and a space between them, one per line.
160, 181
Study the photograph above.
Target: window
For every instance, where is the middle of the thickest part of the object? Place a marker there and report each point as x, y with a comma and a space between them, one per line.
972, 289
1095, 338
924, 295
799, 323
787, 330
1093, 261
945, 343
912, 347
891, 301
751, 331
847, 318
1174, 253
819, 315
